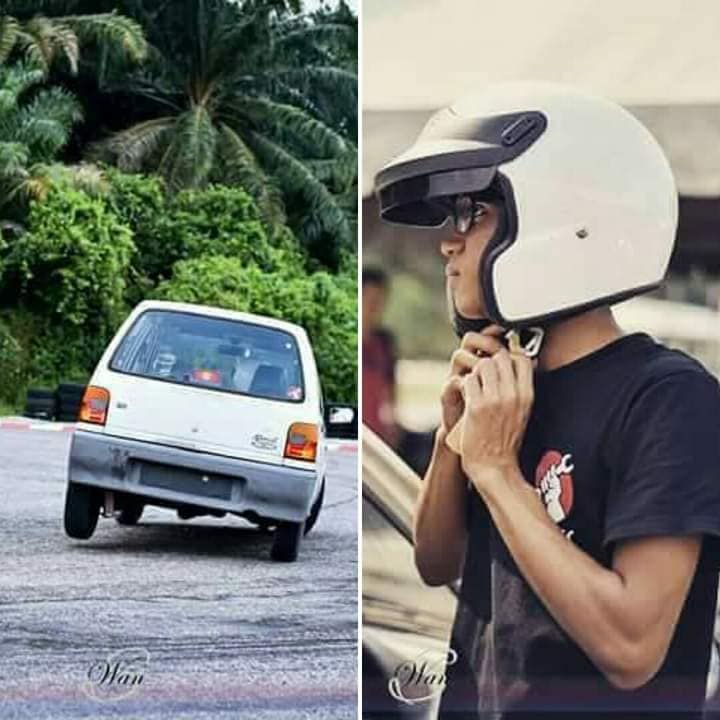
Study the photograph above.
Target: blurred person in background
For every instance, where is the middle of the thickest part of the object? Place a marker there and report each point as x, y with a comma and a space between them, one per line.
378, 359
579, 503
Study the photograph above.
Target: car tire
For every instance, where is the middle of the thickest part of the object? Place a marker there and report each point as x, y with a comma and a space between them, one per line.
82, 507
130, 512
315, 510
40, 404
286, 542
69, 400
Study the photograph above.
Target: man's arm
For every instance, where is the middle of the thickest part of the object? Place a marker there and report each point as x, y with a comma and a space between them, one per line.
440, 530
624, 617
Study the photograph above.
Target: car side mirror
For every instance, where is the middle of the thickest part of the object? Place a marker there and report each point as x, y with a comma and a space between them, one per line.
341, 421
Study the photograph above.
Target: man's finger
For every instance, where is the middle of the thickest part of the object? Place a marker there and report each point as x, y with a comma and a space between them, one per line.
524, 373
454, 385
489, 377
506, 374
463, 361
471, 389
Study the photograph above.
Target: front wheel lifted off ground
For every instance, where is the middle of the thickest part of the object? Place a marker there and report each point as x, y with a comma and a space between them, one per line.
287, 541
82, 507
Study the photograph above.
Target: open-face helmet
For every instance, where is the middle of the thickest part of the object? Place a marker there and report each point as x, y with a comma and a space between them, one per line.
588, 202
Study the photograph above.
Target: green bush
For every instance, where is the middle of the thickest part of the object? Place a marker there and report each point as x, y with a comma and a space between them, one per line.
326, 306
73, 261
213, 221
11, 367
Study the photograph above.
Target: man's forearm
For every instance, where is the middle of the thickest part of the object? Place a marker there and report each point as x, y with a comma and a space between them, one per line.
440, 525
590, 602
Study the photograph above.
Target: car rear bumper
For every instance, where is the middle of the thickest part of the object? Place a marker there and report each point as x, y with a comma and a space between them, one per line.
181, 477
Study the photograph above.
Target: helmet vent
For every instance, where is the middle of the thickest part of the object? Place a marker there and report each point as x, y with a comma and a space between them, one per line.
518, 129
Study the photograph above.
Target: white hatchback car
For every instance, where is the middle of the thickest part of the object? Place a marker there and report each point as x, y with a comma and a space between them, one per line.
205, 411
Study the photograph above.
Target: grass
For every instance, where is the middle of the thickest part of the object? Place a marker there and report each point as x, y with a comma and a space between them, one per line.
8, 409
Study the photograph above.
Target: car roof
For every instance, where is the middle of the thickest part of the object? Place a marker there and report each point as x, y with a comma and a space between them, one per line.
212, 311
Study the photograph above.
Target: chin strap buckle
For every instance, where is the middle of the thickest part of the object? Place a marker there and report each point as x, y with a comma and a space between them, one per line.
526, 340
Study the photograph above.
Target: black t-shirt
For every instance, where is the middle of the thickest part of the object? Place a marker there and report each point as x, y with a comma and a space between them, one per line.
622, 443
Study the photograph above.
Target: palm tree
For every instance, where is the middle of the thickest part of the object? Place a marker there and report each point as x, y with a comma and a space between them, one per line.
245, 93
33, 129
44, 40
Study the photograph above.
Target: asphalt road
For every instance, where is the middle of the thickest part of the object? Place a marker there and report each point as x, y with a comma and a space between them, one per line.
202, 622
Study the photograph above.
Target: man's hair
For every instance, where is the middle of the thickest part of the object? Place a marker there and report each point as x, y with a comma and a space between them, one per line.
374, 276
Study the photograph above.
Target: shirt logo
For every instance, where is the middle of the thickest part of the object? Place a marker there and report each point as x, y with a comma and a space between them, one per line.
554, 483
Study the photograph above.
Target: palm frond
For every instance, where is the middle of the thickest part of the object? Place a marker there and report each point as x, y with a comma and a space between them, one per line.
296, 178
46, 122
131, 148
190, 154
110, 29
14, 157
14, 80
328, 32
9, 28
239, 166
269, 115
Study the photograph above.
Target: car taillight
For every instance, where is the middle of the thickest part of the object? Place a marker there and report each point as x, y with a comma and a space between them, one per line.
95, 404
302, 441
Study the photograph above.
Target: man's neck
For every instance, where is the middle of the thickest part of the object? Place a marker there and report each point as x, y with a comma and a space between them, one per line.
571, 339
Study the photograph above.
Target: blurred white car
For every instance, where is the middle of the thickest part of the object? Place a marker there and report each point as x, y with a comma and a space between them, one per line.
205, 411
406, 624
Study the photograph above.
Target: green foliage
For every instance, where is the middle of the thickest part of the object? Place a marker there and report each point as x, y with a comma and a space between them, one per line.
45, 40
214, 221
248, 94
325, 305
11, 366
71, 264
32, 131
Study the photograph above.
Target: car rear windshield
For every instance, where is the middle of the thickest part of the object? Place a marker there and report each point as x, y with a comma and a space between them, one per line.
226, 355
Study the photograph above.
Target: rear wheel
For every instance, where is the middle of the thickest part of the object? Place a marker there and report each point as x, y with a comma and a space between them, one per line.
82, 507
287, 541
130, 512
315, 509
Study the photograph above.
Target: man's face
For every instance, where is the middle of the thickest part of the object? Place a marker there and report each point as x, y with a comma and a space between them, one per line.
463, 253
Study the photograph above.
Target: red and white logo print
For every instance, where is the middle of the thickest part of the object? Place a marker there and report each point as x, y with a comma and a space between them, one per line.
554, 483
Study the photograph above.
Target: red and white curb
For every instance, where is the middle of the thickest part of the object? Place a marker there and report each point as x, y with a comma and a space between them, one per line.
16, 423
13, 423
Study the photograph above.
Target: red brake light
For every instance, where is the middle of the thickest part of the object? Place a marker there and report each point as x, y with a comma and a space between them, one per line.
95, 404
207, 376
302, 442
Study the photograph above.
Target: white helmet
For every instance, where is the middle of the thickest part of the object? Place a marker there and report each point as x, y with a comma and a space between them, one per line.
590, 203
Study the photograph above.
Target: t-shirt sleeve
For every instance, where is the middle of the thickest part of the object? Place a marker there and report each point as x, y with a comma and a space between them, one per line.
665, 478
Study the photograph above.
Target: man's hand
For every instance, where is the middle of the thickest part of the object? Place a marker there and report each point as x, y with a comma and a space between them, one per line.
473, 347
499, 397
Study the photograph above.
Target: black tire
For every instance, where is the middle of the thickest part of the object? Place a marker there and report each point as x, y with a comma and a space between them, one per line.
71, 390
82, 507
40, 404
315, 510
130, 512
287, 541
69, 400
